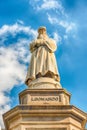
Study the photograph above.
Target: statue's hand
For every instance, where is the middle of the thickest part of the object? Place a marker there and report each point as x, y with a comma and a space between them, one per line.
36, 43
39, 42
32, 47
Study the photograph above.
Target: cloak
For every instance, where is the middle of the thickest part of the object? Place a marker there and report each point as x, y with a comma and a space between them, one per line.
43, 62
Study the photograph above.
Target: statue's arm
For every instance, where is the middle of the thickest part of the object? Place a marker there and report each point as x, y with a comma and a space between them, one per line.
31, 47
35, 44
50, 43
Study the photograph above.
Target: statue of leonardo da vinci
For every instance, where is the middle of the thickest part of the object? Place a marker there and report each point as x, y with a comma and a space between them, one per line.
43, 62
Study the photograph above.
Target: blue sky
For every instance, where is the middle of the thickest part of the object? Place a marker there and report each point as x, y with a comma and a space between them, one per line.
66, 22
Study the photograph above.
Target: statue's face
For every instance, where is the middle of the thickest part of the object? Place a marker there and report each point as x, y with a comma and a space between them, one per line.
42, 31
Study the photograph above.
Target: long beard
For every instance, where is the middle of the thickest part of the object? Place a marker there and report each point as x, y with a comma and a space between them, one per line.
42, 36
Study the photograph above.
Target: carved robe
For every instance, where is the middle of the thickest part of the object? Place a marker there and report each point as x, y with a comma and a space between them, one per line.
43, 62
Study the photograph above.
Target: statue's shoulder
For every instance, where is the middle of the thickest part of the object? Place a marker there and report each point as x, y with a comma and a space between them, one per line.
52, 41
51, 44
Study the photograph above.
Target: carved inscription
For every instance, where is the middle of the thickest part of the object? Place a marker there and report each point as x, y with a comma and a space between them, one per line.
43, 100
39, 98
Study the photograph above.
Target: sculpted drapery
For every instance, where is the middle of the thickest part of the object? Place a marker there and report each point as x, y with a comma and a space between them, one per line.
43, 62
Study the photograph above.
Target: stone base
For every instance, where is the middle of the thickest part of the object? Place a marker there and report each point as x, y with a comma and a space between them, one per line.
44, 83
64, 117
44, 97
46, 109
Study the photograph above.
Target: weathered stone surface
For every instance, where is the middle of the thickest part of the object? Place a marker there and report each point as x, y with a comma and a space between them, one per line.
44, 83
29, 117
45, 109
45, 97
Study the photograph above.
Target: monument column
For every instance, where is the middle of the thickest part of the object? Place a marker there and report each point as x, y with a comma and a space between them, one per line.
44, 105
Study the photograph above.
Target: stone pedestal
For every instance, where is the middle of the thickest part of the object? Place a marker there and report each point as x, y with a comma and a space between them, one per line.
44, 83
45, 109
44, 97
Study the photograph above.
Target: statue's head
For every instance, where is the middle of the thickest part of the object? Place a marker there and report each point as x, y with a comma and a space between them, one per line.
42, 32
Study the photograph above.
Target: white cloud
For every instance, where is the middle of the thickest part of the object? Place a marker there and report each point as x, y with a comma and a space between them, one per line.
3, 99
11, 71
50, 4
14, 29
69, 26
3, 109
13, 59
57, 38
20, 21
4, 106
22, 50
52, 20
47, 5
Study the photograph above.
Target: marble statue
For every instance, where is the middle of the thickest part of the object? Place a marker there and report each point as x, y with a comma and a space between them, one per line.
43, 62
